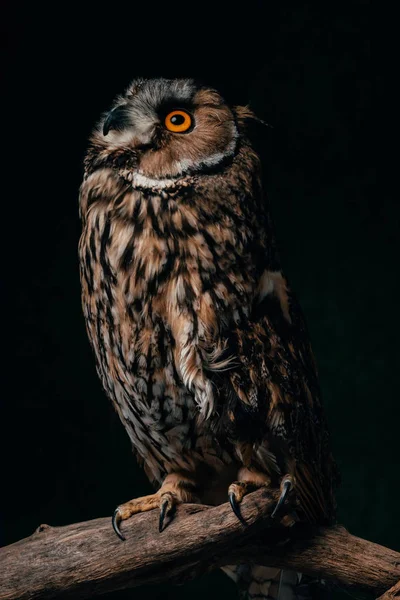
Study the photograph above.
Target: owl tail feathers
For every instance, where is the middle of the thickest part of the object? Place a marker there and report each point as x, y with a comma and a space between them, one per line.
256, 582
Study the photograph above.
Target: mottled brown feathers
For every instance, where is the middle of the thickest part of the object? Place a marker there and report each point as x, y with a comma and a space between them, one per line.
199, 341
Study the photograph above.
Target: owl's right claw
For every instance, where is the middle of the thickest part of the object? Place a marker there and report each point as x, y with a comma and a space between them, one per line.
163, 512
166, 507
176, 488
138, 505
116, 520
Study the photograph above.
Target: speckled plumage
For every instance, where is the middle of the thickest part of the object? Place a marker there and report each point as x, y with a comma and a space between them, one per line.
199, 341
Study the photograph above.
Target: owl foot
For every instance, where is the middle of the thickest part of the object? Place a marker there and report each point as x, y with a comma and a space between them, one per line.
124, 511
287, 484
175, 490
249, 482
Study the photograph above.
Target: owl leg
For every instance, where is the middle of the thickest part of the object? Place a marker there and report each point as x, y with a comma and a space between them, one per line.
176, 489
248, 481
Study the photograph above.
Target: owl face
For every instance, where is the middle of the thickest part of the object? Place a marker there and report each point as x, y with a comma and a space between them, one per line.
171, 127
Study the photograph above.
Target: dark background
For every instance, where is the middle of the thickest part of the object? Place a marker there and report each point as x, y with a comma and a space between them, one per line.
310, 71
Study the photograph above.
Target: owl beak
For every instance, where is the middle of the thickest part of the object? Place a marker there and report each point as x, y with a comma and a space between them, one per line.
117, 119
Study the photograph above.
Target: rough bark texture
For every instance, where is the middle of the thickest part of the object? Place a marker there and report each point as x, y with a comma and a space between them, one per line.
392, 594
87, 559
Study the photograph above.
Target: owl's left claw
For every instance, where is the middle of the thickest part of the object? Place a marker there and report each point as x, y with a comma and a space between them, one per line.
235, 507
235, 497
116, 520
286, 486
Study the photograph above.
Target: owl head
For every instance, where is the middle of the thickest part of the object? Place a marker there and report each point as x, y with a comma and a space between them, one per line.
170, 128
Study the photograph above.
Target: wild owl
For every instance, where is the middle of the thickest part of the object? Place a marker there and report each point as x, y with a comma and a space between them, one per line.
199, 341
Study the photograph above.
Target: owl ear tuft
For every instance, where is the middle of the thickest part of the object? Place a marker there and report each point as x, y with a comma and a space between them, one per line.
258, 133
246, 117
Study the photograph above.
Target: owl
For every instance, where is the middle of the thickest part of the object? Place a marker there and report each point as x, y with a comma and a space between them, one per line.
199, 341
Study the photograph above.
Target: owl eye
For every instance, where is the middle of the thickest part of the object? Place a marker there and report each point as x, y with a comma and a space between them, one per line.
178, 121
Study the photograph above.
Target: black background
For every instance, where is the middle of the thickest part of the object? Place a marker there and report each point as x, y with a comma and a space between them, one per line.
309, 70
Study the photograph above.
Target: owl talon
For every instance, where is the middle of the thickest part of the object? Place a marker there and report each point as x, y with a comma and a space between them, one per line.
163, 512
248, 482
167, 505
116, 520
286, 486
236, 507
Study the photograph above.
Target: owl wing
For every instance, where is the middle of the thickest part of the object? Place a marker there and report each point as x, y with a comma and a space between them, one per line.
270, 397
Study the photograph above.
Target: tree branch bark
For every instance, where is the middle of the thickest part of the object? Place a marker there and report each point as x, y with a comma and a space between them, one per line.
392, 594
87, 559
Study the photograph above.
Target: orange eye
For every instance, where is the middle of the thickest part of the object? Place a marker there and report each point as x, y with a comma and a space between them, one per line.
178, 121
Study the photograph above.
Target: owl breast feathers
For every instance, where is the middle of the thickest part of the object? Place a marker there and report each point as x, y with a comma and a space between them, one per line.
199, 341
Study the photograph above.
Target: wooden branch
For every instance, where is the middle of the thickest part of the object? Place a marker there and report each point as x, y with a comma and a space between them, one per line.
87, 559
392, 594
